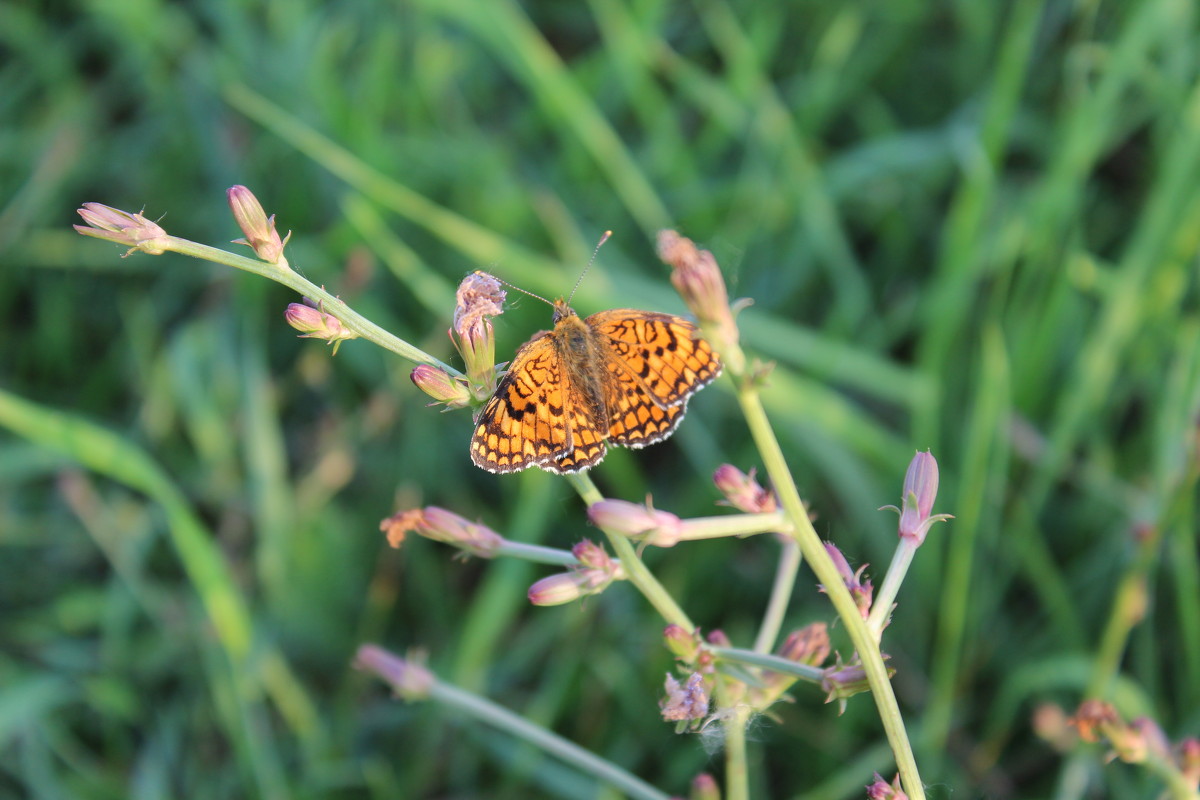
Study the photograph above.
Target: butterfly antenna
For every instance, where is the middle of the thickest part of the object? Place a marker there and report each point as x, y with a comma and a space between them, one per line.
519, 289
599, 244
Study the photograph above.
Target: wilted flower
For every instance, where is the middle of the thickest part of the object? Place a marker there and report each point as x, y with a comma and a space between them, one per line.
479, 298
920, 490
742, 490
843, 681
261, 235
132, 230
687, 703
442, 526
408, 677
441, 386
314, 323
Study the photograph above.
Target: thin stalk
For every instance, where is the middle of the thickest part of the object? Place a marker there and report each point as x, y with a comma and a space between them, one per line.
584, 760
781, 594
767, 661
329, 303
810, 545
881, 607
637, 572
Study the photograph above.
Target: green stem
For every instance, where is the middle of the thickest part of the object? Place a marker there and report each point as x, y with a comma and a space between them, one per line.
584, 760
781, 594
637, 572
767, 661
329, 303
810, 545
734, 525
737, 773
881, 607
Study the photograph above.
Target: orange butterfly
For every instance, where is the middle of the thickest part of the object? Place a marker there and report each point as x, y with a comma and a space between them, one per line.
620, 377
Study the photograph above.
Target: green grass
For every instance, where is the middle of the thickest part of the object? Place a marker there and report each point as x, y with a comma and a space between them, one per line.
967, 227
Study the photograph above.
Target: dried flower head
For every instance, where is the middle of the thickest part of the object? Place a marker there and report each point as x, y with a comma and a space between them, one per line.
443, 526
132, 230
685, 703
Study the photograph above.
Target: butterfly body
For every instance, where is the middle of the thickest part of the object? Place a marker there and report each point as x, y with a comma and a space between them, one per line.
619, 377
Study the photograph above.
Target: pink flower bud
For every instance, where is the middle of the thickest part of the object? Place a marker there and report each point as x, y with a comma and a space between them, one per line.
860, 589
261, 235
643, 523
132, 230
314, 323
808, 645
558, 589
742, 491
842, 681
704, 787
920, 490
441, 386
1189, 760
698, 280
684, 645
718, 638
408, 677
882, 790
443, 526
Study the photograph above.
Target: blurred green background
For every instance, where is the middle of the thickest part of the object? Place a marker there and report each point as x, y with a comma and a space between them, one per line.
970, 227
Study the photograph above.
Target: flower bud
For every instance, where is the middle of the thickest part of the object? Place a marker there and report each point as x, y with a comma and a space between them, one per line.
808, 645
441, 386
558, 589
860, 589
643, 523
842, 681
132, 230
1189, 760
408, 677
314, 323
704, 787
698, 280
685, 646
882, 790
261, 235
742, 491
443, 526
920, 490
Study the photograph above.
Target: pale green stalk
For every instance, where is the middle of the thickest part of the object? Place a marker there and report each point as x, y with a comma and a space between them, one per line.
329, 303
881, 605
810, 545
781, 593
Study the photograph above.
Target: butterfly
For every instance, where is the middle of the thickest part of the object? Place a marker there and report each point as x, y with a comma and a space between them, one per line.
619, 377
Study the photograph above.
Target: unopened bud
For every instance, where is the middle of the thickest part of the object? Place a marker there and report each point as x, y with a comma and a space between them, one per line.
882, 790
314, 323
742, 491
704, 787
408, 677
808, 645
261, 235
641, 522
698, 280
920, 490
131, 230
860, 588
441, 386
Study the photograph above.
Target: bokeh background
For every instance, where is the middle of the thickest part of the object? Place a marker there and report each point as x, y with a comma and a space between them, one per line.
970, 227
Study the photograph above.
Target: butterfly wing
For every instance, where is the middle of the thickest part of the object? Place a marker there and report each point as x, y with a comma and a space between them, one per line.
656, 362
524, 423
536, 417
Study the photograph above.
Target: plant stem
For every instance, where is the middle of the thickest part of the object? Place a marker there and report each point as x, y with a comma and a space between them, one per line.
767, 661
810, 545
781, 593
582, 759
881, 607
330, 304
637, 572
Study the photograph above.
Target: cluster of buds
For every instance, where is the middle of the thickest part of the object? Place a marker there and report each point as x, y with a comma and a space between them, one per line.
131, 230
743, 491
592, 574
442, 526
1137, 742
314, 322
698, 280
859, 587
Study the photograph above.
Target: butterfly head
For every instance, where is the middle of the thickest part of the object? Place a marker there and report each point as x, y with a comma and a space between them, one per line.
562, 310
